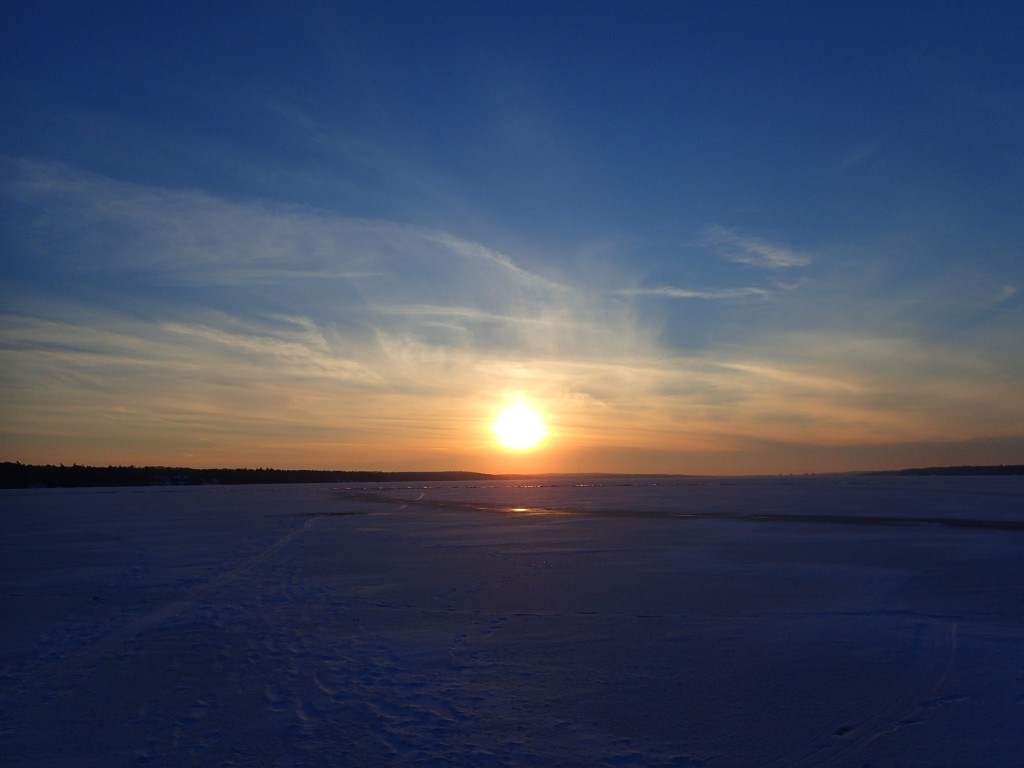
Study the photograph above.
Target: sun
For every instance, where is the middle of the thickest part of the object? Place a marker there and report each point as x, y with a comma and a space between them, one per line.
519, 427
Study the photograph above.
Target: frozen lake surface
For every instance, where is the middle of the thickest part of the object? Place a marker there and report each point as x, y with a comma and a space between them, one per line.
847, 621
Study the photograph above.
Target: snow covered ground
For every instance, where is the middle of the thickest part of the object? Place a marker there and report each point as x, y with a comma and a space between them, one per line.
846, 621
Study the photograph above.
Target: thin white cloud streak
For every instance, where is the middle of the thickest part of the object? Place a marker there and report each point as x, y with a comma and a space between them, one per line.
1005, 293
858, 155
754, 252
462, 317
716, 294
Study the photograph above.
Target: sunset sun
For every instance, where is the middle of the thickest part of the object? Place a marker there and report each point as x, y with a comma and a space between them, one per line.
519, 427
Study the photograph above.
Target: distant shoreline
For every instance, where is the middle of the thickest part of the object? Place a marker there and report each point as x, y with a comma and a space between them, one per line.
15, 475
995, 469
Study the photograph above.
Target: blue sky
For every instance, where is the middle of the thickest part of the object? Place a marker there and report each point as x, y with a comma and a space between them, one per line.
698, 237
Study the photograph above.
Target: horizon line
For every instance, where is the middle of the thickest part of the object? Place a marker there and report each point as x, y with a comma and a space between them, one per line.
14, 475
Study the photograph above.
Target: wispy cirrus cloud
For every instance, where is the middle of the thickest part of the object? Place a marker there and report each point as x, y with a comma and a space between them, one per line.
713, 294
204, 330
153, 311
754, 252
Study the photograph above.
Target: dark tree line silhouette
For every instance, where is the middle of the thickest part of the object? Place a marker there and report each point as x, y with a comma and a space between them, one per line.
14, 474
997, 469
18, 475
